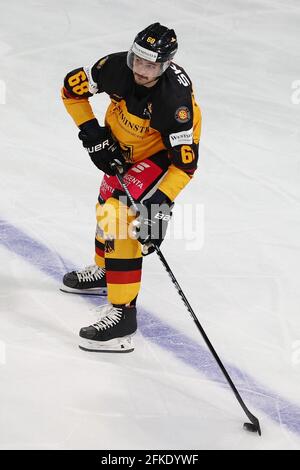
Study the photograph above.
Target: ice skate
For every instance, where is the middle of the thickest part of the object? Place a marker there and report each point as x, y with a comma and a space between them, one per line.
90, 280
112, 332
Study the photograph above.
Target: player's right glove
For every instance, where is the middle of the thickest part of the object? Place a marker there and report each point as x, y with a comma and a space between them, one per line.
104, 152
151, 225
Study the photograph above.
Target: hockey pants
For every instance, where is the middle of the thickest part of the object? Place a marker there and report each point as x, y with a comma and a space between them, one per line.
116, 250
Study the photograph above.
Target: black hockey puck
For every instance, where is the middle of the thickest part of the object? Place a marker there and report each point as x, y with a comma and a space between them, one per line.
250, 427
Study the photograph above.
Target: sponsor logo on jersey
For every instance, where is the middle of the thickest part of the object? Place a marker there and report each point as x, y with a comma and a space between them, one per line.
181, 138
140, 167
131, 179
130, 125
181, 77
182, 114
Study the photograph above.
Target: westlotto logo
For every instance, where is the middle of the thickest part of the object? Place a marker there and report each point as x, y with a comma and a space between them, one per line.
184, 137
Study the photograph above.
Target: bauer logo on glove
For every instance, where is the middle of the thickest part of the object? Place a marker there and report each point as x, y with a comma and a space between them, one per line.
152, 222
98, 147
103, 150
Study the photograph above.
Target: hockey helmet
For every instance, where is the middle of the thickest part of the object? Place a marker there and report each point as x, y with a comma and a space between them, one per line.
156, 43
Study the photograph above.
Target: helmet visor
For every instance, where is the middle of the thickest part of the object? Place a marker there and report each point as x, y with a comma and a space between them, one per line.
136, 57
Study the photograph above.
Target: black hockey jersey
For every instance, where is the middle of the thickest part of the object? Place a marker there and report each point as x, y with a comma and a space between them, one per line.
143, 120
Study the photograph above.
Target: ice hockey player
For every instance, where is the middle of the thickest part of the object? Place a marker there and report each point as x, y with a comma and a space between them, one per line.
151, 135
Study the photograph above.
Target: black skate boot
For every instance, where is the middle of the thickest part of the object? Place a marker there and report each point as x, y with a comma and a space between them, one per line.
90, 280
112, 333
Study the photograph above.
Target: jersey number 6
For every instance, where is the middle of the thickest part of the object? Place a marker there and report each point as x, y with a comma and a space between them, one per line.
187, 154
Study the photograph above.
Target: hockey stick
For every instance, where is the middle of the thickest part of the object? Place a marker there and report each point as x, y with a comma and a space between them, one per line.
254, 426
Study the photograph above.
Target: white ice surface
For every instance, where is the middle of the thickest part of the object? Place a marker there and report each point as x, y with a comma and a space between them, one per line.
243, 57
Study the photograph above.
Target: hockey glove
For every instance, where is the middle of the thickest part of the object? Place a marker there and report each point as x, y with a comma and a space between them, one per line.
151, 225
104, 152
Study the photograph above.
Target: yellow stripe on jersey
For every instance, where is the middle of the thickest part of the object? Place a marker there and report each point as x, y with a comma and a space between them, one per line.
197, 121
78, 108
173, 182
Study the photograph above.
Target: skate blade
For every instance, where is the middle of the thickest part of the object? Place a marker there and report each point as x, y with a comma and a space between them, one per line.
102, 292
117, 345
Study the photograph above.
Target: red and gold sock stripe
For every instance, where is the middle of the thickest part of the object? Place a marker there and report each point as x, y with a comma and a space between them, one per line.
123, 271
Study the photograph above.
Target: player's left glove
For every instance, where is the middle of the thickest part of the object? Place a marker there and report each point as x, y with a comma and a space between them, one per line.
151, 225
